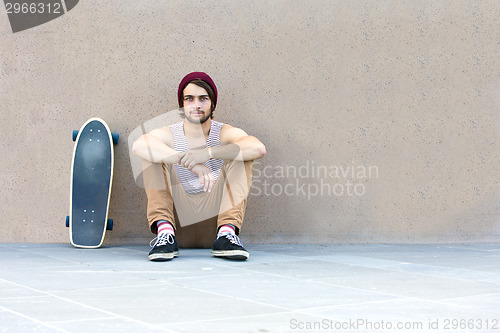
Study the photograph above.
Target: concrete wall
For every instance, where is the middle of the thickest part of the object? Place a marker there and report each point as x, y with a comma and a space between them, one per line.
381, 118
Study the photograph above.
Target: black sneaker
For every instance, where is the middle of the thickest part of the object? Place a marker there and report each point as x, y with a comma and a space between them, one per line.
229, 246
164, 248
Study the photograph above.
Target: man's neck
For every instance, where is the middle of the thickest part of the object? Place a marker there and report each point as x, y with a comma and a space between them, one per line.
192, 130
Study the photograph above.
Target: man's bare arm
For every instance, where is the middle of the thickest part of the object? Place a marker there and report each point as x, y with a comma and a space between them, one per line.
236, 144
156, 147
248, 147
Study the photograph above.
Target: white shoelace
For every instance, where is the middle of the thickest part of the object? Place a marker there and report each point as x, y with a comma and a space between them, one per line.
233, 239
163, 239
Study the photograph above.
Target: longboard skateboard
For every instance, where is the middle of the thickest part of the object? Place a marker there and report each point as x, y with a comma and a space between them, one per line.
91, 178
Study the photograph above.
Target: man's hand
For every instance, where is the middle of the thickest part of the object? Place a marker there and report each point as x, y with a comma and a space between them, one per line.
205, 176
190, 158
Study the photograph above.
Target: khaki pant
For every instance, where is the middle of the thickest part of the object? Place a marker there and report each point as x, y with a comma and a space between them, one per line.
200, 214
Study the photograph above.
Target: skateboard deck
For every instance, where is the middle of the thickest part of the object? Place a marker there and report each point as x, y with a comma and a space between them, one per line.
91, 179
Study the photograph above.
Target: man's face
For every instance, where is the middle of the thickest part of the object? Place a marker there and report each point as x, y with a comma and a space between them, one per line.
197, 104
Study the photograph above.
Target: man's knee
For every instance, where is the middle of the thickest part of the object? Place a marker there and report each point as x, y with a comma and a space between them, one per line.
153, 177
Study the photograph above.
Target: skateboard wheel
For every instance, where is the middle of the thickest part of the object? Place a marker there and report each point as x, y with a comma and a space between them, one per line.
115, 137
75, 134
67, 221
109, 226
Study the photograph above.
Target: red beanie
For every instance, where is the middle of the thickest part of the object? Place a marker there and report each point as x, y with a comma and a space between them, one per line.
193, 76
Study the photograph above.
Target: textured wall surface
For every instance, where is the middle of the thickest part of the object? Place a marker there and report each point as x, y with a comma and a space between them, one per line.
381, 118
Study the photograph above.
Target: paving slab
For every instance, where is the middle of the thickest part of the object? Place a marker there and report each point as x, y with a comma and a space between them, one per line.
281, 288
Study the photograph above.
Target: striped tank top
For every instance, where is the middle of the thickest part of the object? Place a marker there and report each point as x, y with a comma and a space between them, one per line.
188, 179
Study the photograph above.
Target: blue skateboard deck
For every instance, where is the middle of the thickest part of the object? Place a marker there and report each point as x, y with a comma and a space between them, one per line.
91, 178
